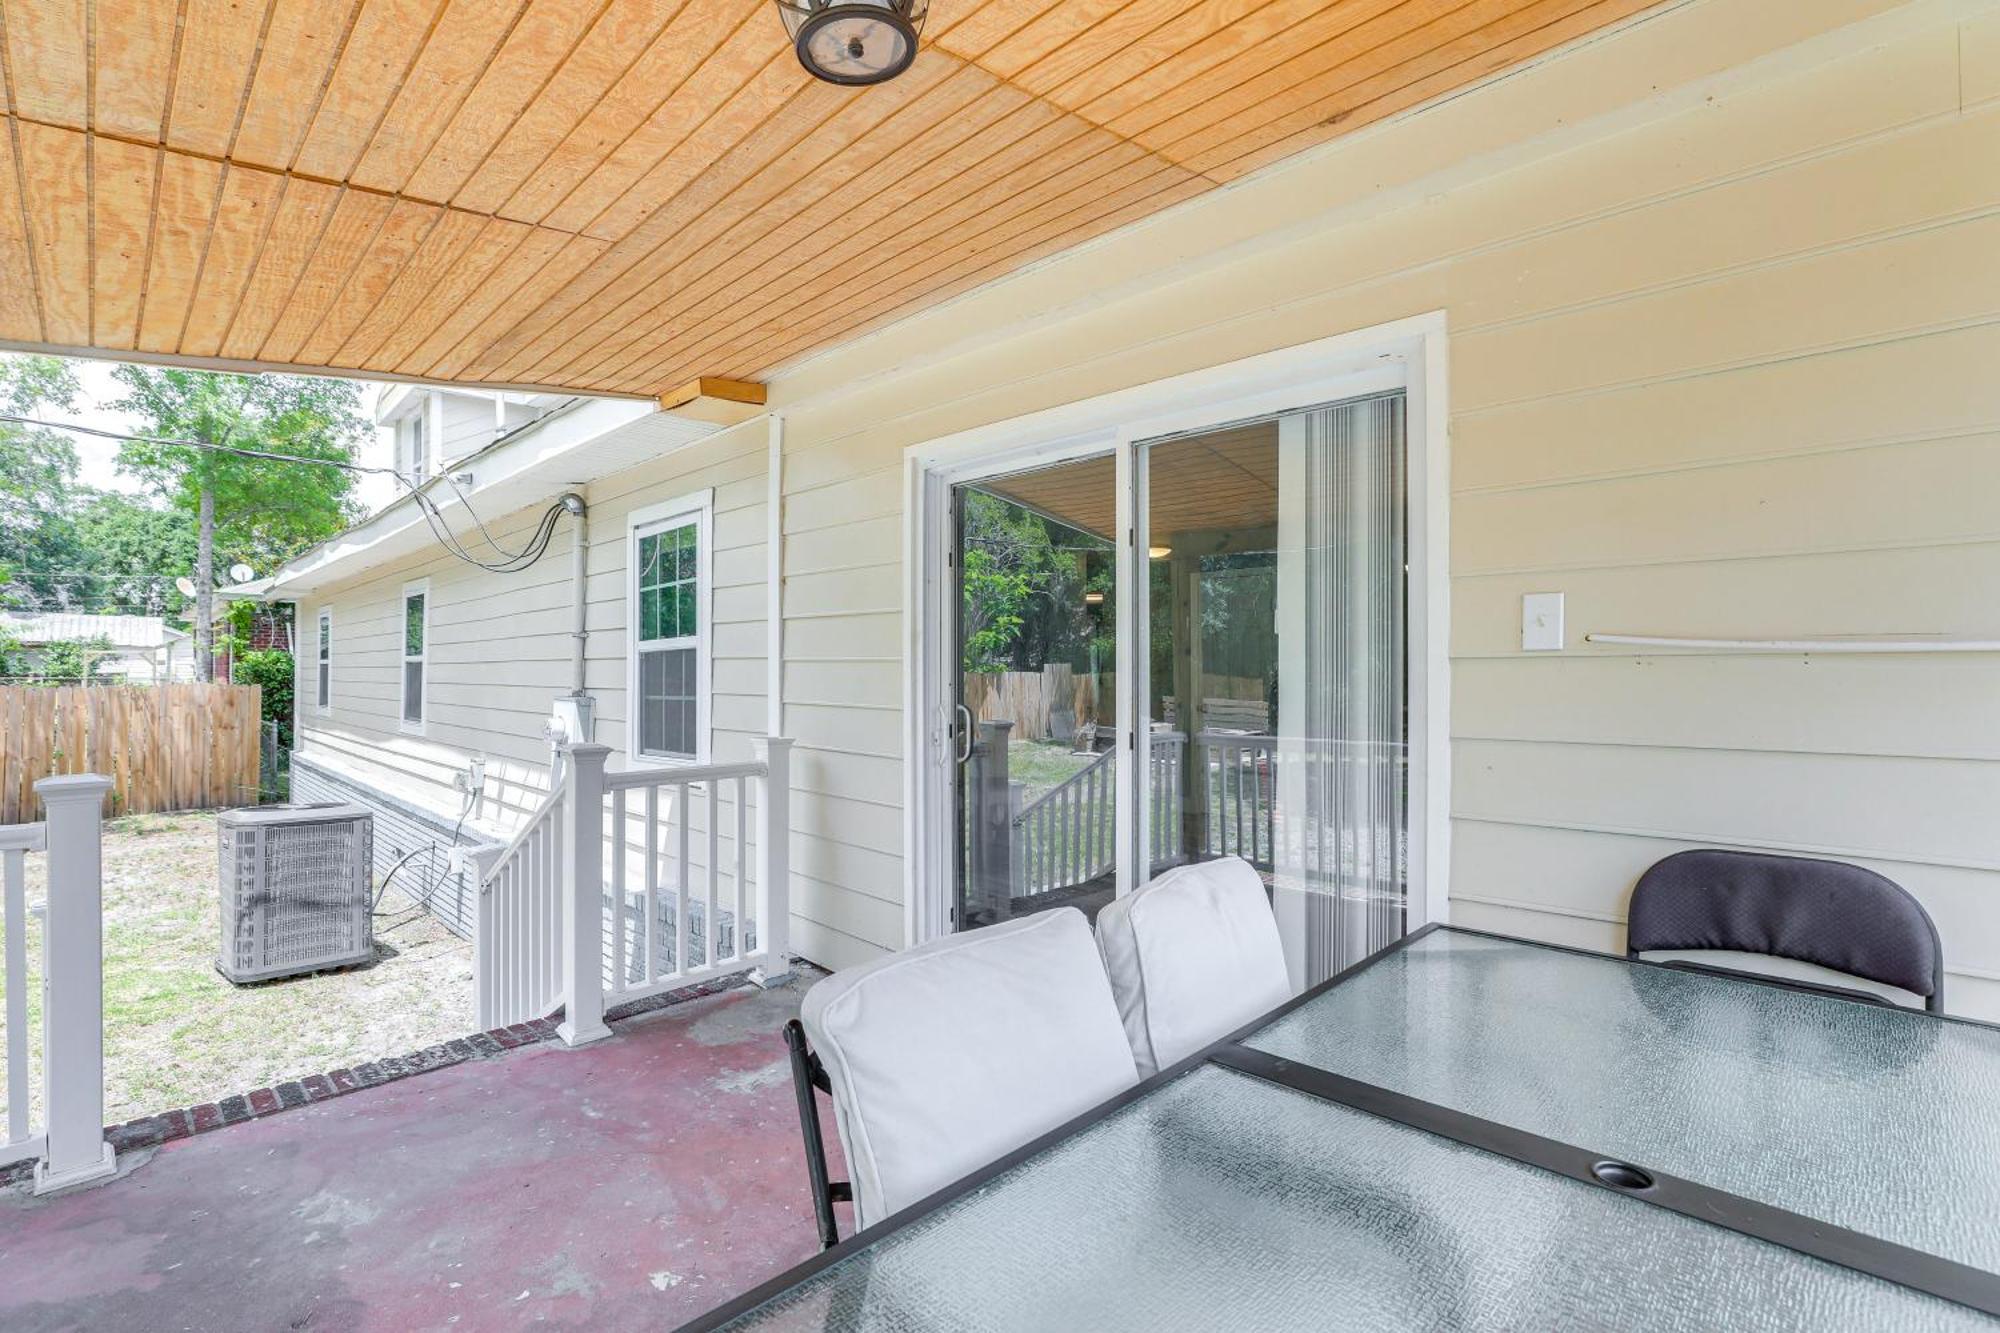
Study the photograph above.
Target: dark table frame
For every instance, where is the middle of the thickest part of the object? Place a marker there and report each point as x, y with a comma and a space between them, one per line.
1901, 1264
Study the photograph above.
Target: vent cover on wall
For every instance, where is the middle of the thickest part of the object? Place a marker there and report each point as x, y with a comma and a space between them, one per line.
295, 891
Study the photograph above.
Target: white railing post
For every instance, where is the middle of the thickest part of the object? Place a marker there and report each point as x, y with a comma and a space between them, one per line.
582, 888
774, 863
73, 984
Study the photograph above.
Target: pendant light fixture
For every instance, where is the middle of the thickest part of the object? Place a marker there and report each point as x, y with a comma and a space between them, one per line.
854, 42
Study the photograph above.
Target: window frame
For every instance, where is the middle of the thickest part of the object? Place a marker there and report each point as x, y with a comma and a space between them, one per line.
414, 588
698, 506
323, 661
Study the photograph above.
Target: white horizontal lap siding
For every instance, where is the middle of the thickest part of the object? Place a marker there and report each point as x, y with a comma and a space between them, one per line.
499, 650
1720, 364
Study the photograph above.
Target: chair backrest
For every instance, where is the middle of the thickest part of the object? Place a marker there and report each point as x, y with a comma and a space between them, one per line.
954, 1053
1828, 913
1192, 955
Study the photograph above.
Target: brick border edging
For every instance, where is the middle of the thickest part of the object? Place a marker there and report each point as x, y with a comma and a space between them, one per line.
153, 1130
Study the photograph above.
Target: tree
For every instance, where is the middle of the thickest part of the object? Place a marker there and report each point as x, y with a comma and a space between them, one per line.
273, 506
39, 547
133, 554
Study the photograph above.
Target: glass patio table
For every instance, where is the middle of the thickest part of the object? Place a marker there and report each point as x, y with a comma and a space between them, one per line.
1468, 1131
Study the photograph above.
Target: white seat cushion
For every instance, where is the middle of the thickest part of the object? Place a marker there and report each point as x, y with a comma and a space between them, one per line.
954, 1053
1192, 956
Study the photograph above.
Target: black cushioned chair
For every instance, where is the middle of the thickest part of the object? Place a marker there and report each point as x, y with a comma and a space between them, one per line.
1836, 915
808, 1077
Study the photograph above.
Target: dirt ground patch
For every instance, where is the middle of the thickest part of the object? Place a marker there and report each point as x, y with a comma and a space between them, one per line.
177, 1034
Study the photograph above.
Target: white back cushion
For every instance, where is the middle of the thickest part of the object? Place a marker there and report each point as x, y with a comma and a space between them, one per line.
1192, 956
949, 1055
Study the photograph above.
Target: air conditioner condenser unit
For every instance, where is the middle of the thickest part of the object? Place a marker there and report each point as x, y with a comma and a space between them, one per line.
295, 890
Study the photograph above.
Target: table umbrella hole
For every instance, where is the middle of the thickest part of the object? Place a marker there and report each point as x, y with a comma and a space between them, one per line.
1622, 1175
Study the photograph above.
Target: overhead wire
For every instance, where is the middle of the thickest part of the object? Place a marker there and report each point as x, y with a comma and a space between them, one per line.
509, 562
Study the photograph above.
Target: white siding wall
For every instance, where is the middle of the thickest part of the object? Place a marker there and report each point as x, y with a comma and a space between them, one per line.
1722, 363
465, 423
499, 650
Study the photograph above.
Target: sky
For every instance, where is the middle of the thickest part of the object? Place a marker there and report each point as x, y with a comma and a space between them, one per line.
97, 457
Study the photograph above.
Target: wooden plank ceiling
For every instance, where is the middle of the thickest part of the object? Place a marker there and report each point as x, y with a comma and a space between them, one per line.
623, 195
1221, 481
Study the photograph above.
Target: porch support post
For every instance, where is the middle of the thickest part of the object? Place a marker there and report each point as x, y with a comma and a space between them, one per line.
774, 863
73, 985
992, 820
583, 895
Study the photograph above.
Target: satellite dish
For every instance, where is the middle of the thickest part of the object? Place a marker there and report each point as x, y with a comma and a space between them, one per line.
186, 585
241, 573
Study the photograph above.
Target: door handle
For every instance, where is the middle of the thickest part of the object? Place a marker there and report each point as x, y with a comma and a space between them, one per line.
965, 732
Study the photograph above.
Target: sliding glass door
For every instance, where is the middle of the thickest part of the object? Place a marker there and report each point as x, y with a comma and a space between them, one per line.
1273, 701
1034, 687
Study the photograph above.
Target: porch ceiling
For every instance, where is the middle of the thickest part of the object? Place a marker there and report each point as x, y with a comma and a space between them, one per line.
624, 195
1217, 481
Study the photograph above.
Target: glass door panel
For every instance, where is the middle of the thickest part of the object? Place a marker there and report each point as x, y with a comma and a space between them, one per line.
1035, 776
1275, 693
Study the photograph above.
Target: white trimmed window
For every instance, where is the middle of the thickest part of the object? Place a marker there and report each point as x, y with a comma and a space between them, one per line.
413, 451
669, 556
416, 643
323, 665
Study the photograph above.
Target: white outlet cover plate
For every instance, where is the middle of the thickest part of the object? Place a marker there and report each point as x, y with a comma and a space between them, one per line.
1542, 622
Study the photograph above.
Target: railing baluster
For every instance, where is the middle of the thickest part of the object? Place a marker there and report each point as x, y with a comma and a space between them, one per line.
709, 932
681, 931
652, 883
17, 996
618, 891
736, 932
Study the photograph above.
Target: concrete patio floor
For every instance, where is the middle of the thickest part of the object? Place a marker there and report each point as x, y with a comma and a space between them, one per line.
629, 1184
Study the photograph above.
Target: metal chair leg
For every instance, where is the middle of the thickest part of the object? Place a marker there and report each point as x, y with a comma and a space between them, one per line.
807, 1075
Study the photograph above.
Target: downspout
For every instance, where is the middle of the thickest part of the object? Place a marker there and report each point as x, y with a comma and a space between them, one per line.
774, 581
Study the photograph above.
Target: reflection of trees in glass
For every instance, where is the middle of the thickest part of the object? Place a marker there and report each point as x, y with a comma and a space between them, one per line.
1024, 580
1239, 606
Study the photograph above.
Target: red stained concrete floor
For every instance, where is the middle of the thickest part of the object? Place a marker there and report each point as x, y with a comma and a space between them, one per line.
629, 1184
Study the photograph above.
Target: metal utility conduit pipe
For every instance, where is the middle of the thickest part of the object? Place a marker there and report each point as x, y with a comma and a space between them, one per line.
579, 560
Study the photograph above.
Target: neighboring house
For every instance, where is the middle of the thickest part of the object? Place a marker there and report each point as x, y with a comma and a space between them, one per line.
145, 650
1692, 323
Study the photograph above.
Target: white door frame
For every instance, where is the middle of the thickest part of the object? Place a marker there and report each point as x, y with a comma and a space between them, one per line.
1410, 352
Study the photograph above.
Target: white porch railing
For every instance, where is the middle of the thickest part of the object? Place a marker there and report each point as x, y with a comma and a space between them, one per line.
69, 1145
1068, 835
626, 885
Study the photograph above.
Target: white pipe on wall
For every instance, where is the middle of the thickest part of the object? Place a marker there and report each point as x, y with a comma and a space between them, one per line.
1804, 645
774, 580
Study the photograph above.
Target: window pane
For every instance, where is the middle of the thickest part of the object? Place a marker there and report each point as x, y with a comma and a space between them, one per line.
685, 540
649, 560
649, 613
323, 683
413, 691
688, 623
325, 635
667, 706
413, 625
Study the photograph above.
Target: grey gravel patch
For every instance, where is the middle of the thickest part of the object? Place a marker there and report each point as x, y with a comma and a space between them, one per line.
753, 1080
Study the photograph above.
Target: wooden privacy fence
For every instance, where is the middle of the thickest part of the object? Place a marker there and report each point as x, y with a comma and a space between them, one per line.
1031, 700
164, 747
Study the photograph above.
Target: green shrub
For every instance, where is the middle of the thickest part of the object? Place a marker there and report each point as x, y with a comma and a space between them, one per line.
271, 668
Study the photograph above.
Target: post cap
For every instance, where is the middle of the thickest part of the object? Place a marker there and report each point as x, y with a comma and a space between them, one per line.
70, 787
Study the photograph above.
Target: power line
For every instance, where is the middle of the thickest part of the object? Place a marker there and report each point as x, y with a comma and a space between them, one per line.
509, 563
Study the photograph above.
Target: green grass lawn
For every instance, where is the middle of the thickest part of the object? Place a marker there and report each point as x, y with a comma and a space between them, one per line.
1042, 765
177, 1034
